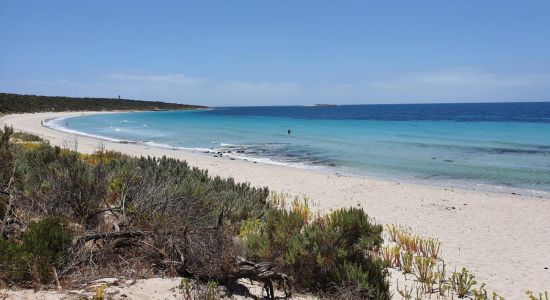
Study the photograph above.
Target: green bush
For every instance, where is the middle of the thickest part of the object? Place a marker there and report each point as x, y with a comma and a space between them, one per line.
14, 263
45, 246
331, 251
48, 241
63, 183
27, 137
6, 159
462, 282
191, 214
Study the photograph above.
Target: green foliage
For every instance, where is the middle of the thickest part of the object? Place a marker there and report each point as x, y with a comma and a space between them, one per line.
197, 290
6, 159
481, 294
172, 178
99, 292
189, 211
354, 228
211, 292
541, 296
48, 241
185, 288
27, 137
462, 282
256, 243
6, 166
331, 251
424, 269
14, 103
407, 259
63, 183
45, 246
14, 263
193, 216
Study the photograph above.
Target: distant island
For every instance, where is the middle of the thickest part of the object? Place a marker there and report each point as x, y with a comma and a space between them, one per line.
322, 105
16, 103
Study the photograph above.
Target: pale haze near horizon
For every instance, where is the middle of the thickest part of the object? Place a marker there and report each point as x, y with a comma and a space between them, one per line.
228, 53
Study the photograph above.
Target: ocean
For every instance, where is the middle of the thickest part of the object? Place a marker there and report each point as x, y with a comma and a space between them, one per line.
481, 146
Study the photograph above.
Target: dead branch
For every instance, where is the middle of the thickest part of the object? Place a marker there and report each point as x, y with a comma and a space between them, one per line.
11, 199
109, 236
263, 272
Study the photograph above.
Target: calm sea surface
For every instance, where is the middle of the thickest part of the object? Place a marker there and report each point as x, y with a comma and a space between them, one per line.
498, 145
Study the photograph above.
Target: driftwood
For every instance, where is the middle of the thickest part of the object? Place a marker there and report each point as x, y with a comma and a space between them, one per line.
265, 273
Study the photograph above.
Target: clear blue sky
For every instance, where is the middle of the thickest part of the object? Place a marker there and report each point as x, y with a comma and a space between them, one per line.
278, 52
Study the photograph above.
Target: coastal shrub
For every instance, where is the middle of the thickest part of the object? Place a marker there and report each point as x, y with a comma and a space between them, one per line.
256, 243
63, 183
163, 216
27, 137
6, 159
430, 247
48, 240
354, 228
14, 263
462, 282
323, 255
167, 178
391, 256
44, 246
482, 294
407, 260
393, 232
424, 269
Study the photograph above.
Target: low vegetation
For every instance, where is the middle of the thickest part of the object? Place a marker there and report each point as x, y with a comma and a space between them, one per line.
68, 217
540, 296
326, 252
421, 258
26, 137
15, 103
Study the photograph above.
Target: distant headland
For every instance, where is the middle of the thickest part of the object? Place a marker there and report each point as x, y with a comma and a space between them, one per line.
17, 103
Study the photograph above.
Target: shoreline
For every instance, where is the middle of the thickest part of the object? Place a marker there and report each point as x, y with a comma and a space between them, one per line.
466, 184
502, 238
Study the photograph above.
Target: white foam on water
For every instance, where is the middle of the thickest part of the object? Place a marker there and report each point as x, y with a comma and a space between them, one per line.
269, 161
233, 145
167, 146
57, 124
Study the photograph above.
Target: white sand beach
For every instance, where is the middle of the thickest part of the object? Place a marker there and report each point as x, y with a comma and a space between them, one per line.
503, 238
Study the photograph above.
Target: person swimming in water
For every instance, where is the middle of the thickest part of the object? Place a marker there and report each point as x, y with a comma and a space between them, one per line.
289, 132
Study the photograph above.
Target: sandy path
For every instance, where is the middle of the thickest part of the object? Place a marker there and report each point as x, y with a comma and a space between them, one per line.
503, 238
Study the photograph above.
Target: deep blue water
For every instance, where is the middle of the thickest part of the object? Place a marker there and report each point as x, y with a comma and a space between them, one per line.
500, 145
463, 112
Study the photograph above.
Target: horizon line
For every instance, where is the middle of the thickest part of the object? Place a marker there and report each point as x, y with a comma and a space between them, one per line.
287, 105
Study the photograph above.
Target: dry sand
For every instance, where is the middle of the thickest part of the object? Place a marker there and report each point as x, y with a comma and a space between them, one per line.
142, 289
503, 238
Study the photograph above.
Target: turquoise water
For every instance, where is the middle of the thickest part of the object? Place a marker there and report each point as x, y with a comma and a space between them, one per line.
468, 146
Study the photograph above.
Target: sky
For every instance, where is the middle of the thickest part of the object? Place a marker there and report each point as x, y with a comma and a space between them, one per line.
230, 53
